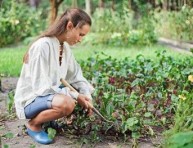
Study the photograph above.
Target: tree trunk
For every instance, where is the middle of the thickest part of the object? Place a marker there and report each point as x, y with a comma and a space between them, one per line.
74, 4
88, 6
136, 15
113, 5
129, 4
34, 3
101, 4
165, 4
54, 9
180, 4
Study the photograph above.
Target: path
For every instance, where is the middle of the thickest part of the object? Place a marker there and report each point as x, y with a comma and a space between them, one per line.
178, 46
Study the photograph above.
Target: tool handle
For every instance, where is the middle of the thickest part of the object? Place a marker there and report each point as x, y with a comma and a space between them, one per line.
65, 83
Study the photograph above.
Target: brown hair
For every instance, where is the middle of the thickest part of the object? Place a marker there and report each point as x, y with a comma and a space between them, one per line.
78, 18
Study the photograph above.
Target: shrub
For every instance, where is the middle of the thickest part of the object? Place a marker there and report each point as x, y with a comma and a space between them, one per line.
176, 25
117, 29
18, 21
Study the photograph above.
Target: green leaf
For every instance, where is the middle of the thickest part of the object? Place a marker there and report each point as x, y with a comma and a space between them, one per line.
182, 139
32, 146
51, 133
191, 50
135, 82
135, 135
5, 146
8, 135
147, 114
151, 131
132, 121
189, 145
109, 109
10, 101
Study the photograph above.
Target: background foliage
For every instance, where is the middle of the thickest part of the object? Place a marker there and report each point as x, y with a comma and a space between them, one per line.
18, 22
117, 23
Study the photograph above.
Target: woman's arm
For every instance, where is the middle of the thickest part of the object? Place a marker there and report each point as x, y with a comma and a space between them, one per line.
76, 78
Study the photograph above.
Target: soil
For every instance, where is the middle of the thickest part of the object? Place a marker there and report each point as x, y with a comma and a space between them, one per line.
11, 124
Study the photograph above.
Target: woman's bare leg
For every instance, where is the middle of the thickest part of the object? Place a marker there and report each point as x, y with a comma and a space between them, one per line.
61, 106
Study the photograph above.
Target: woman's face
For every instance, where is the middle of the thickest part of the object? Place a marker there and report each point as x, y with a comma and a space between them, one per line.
75, 35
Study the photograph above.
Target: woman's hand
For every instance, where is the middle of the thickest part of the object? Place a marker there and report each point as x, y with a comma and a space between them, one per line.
86, 103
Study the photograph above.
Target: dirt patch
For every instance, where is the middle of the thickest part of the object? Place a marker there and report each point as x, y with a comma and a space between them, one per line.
7, 84
8, 124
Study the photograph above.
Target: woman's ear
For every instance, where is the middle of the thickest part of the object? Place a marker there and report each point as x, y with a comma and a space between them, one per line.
69, 26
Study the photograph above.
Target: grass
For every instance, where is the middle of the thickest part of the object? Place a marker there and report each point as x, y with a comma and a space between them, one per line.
82, 52
11, 60
11, 57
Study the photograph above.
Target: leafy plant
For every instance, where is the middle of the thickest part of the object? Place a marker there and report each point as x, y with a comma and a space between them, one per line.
183, 119
5, 146
175, 24
10, 101
17, 22
8, 135
181, 140
106, 30
140, 96
51, 133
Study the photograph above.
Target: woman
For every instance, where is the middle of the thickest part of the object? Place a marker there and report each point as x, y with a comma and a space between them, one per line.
38, 96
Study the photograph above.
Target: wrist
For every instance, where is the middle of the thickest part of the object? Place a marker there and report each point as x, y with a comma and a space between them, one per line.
74, 95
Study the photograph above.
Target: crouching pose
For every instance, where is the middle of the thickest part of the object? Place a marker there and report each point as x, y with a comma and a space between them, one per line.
38, 96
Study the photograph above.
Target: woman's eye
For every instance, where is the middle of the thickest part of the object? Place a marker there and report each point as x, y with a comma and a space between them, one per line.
81, 34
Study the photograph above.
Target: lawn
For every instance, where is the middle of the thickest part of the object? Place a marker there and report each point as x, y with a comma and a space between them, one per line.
11, 57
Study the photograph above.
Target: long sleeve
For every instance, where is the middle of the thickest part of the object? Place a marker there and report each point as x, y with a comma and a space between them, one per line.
76, 79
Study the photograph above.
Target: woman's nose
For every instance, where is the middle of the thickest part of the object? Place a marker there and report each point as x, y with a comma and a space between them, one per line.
79, 39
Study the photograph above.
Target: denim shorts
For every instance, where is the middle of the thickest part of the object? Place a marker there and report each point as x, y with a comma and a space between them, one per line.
40, 104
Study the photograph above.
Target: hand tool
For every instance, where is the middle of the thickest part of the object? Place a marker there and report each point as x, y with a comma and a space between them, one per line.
65, 83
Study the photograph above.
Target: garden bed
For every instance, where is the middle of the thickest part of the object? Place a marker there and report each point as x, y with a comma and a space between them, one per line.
14, 137
140, 96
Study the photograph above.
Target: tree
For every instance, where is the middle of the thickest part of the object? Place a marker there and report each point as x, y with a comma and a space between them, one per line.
101, 4
54, 9
88, 6
34, 3
74, 3
113, 5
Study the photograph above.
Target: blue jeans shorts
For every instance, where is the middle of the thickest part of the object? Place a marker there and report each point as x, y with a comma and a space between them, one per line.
40, 104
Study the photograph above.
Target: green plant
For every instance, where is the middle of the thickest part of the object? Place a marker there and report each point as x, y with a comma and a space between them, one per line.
184, 22
183, 118
191, 50
10, 101
32, 146
175, 24
139, 95
5, 146
51, 133
181, 140
106, 31
17, 22
8, 135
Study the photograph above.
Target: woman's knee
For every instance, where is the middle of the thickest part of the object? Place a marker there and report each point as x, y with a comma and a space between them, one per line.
64, 104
